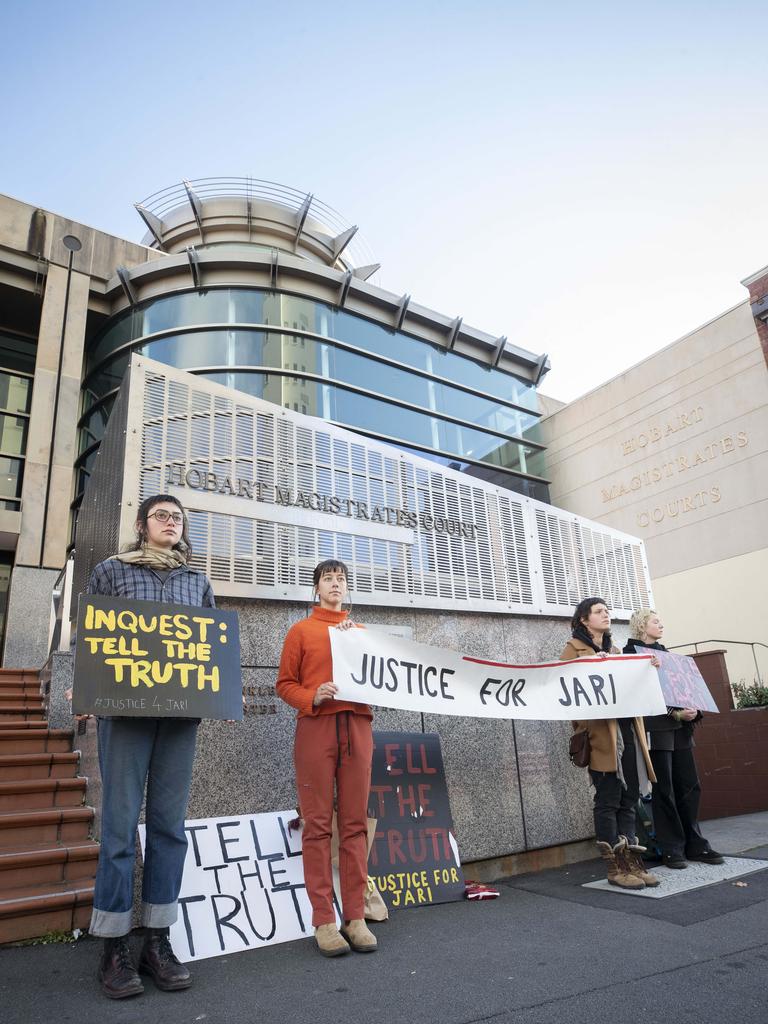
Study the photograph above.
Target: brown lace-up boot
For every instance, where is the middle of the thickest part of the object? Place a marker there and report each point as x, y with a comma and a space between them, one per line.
117, 972
617, 873
160, 962
632, 861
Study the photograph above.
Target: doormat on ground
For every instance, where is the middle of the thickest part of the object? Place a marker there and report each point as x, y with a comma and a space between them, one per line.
695, 876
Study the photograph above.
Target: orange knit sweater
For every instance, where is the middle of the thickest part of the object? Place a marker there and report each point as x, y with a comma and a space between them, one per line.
306, 663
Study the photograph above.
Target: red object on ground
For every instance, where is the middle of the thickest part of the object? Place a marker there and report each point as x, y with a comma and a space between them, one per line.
478, 891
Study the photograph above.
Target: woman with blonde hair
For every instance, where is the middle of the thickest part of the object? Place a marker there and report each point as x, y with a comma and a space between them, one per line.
676, 792
619, 765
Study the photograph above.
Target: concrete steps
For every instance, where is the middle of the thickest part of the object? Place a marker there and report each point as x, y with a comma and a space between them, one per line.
20, 695
4, 726
34, 794
21, 712
36, 910
21, 867
34, 738
52, 825
43, 765
47, 858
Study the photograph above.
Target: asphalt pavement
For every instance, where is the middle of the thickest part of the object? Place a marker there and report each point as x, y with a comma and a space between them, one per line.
546, 951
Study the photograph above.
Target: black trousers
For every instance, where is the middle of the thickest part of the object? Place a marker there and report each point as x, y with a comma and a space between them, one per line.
675, 802
614, 807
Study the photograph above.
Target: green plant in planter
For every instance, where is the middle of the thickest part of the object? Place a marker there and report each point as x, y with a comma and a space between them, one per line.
750, 695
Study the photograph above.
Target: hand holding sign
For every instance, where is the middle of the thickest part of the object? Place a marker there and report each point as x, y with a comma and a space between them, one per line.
325, 691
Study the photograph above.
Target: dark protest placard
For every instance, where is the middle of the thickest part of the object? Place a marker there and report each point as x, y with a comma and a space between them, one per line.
155, 660
682, 684
414, 859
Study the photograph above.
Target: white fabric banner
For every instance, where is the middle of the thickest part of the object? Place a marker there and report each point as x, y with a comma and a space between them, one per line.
371, 668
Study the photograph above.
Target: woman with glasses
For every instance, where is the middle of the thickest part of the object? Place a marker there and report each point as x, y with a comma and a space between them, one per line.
152, 754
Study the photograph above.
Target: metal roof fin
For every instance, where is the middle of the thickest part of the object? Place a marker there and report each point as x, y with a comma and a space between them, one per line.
340, 242
155, 225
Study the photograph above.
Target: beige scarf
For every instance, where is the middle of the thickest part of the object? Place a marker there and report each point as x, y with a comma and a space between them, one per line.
154, 558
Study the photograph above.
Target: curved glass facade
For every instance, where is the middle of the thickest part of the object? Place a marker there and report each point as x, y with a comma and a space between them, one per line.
311, 357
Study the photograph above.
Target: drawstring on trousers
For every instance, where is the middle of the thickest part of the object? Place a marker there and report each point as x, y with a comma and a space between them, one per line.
338, 736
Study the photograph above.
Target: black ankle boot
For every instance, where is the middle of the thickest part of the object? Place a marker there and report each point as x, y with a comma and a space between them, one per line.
159, 961
117, 972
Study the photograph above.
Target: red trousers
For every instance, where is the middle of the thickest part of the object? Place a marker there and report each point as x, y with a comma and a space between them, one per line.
334, 748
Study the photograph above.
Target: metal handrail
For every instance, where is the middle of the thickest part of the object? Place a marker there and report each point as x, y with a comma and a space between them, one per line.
174, 196
744, 643
61, 597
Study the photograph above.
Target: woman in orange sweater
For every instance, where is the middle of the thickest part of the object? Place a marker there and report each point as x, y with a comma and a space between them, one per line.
333, 746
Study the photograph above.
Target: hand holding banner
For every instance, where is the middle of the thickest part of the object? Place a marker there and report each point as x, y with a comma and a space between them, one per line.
373, 668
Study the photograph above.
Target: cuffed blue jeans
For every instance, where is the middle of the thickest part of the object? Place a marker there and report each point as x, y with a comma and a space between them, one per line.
133, 753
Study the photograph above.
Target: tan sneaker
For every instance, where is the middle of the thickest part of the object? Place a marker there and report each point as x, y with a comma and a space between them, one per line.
329, 940
359, 936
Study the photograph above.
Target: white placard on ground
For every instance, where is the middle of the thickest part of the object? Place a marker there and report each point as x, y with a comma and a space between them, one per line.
243, 886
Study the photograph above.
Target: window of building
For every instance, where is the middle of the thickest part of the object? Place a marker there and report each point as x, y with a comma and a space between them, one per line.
356, 372
15, 403
251, 306
11, 476
17, 352
13, 434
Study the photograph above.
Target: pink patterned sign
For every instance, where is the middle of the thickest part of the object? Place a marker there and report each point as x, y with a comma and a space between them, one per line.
682, 684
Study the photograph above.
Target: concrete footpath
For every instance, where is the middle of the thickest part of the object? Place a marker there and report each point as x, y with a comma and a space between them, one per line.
547, 951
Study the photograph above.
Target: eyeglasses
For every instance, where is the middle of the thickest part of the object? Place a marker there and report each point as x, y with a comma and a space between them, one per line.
162, 516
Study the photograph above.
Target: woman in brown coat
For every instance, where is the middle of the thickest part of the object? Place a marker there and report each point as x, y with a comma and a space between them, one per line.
619, 765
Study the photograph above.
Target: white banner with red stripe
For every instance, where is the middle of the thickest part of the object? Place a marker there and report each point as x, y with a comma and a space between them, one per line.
370, 667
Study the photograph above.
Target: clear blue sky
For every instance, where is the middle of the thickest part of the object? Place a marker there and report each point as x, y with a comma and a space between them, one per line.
588, 179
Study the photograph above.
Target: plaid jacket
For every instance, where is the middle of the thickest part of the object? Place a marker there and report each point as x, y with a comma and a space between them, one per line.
114, 578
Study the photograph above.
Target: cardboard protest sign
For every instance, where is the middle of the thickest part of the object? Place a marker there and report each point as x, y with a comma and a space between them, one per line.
682, 684
156, 660
373, 668
414, 859
243, 886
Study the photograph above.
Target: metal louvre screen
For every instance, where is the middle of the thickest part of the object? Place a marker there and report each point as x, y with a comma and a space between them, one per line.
581, 559
271, 492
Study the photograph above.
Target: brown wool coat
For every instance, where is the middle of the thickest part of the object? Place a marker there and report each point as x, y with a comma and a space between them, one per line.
603, 732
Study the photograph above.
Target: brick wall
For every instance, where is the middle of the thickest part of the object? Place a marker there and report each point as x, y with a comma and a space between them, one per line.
731, 749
